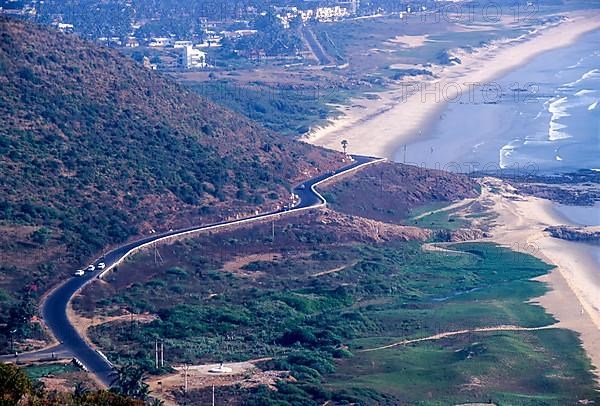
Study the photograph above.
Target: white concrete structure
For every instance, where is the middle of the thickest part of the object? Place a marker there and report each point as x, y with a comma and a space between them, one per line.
182, 44
160, 42
193, 58
68, 28
330, 13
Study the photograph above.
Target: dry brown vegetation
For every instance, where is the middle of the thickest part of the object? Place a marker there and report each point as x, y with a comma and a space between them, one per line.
95, 150
389, 192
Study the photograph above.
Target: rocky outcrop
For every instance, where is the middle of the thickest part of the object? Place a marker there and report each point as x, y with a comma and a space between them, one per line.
585, 234
462, 234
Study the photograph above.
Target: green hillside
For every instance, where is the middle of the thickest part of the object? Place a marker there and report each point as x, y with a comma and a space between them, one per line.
95, 149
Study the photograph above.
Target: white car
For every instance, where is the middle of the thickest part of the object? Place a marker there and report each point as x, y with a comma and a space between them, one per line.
101, 265
79, 272
90, 268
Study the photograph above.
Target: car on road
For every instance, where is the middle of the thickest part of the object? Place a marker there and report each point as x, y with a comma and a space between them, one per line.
79, 272
101, 265
90, 268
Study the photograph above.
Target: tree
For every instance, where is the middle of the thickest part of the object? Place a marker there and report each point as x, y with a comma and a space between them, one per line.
40, 236
129, 381
20, 314
345, 145
17, 388
80, 391
14, 384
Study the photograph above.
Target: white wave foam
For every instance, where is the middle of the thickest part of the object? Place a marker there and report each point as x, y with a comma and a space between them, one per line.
594, 73
476, 146
593, 106
505, 154
584, 92
558, 109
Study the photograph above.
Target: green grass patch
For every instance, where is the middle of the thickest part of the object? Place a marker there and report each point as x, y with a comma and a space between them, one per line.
43, 370
316, 327
524, 368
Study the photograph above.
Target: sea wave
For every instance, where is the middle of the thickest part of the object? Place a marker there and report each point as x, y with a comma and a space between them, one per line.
558, 108
506, 152
592, 74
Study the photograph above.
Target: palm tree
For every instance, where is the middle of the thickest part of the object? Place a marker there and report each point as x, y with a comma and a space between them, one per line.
80, 390
344, 145
129, 381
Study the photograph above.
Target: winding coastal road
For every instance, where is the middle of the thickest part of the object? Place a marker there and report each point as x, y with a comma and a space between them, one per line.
54, 308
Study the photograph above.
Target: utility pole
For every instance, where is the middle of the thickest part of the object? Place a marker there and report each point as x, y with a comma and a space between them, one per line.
162, 353
404, 160
157, 255
273, 232
131, 325
12, 340
156, 354
213, 395
186, 367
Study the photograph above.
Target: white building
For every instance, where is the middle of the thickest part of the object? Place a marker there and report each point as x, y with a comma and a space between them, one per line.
132, 42
193, 58
350, 5
330, 13
160, 42
182, 44
68, 28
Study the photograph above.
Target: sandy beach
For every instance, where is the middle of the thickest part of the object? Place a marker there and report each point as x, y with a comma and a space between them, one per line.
574, 298
381, 126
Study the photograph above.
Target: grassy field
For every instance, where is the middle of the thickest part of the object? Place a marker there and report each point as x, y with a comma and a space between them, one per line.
445, 219
516, 368
286, 110
44, 370
316, 324
347, 39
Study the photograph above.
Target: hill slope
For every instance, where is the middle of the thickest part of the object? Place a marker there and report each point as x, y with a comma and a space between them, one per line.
94, 149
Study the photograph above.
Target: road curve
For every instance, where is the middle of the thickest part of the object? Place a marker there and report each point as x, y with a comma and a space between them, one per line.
54, 308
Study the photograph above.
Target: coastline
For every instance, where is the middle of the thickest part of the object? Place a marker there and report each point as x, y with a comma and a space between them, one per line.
574, 295
380, 127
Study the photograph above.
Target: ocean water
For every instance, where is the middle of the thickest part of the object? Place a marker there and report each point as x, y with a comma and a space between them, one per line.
542, 117
580, 215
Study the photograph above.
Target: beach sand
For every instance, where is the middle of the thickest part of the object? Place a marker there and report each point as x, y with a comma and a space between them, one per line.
380, 127
574, 298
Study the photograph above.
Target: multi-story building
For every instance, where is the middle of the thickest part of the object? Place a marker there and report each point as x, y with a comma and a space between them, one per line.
193, 58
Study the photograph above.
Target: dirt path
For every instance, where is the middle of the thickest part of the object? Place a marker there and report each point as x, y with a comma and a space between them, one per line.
438, 247
334, 270
457, 332
453, 206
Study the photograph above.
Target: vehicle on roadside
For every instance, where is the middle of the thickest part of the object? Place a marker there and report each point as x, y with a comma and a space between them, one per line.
101, 265
90, 268
79, 272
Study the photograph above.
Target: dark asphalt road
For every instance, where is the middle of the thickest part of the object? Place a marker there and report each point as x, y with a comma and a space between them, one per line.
54, 310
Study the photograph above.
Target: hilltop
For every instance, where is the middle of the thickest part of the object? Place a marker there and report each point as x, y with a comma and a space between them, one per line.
95, 149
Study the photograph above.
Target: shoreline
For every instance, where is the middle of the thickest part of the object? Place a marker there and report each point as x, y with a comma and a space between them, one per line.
574, 283
380, 127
